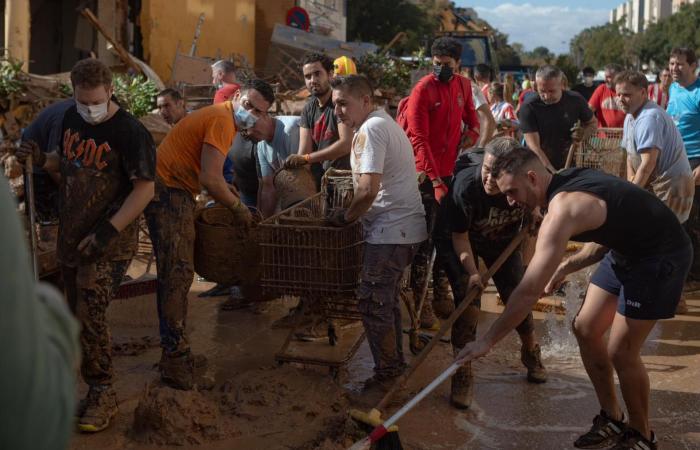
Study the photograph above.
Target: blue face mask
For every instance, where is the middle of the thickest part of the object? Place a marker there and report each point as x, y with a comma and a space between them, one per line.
244, 119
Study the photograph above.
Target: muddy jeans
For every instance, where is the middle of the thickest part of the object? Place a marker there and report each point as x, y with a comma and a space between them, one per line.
170, 218
506, 279
89, 289
692, 227
379, 303
439, 239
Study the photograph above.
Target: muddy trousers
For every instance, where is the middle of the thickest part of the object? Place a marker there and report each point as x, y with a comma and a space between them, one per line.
506, 279
170, 218
89, 289
692, 227
437, 224
380, 305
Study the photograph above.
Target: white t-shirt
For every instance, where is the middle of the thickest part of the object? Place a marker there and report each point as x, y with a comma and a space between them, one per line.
397, 215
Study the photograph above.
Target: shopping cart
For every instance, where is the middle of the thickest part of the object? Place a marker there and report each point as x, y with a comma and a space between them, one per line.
604, 151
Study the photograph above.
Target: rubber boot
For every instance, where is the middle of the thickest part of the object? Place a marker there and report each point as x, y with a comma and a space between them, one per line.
443, 301
532, 360
462, 388
177, 371
100, 408
428, 321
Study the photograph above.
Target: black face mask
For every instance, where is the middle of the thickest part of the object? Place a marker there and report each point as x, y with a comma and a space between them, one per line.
442, 73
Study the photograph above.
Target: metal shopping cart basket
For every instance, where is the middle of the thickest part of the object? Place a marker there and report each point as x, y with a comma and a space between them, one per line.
604, 151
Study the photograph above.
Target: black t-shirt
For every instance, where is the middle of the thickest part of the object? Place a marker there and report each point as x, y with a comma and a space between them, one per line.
246, 168
638, 224
488, 218
98, 164
322, 122
554, 123
585, 91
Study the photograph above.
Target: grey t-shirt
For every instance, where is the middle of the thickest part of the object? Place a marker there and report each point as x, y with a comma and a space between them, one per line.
397, 215
672, 181
271, 155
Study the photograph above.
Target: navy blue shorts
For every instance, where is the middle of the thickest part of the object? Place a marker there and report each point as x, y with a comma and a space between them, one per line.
648, 288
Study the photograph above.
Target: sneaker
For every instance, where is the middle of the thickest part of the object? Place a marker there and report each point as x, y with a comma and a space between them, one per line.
532, 360
177, 371
633, 440
100, 408
216, 291
462, 387
604, 432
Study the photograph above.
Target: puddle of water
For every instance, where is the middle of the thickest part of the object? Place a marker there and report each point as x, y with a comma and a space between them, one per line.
560, 343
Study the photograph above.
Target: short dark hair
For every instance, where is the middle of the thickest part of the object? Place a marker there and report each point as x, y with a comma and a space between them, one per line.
514, 160
588, 70
632, 77
357, 85
90, 73
325, 60
482, 71
496, 89
172, 93
446, 46
261, 86
613, 68
688, 53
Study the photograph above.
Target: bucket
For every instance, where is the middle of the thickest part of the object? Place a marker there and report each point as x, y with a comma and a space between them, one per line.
225, 251
294, 185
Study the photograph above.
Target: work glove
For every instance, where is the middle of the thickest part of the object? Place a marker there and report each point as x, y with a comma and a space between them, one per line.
577, 133
30, 148
94, 244
295, 161
241, 213
337, 218
440, 189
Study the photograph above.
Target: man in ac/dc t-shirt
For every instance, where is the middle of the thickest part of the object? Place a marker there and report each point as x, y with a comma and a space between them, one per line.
107, 166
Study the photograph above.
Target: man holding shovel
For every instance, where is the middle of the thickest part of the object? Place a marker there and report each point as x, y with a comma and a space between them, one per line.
482, 224
644, 258
388, 203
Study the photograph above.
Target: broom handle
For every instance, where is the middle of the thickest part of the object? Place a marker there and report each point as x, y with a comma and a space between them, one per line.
471, 295
422, 394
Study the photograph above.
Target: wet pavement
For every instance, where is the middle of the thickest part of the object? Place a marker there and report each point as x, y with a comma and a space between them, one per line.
508, 412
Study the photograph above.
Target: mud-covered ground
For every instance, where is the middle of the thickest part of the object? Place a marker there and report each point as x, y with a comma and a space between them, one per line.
257, 404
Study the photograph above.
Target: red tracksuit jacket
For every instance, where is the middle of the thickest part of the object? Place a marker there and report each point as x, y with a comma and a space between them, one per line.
435, 114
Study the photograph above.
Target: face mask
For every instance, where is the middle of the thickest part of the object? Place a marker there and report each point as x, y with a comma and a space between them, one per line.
442, 73
244, 119
93, 114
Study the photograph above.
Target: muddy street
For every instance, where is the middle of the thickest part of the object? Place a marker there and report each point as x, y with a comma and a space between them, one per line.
257, 404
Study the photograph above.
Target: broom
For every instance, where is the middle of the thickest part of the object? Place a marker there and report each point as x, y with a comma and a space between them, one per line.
380, 431
374, 416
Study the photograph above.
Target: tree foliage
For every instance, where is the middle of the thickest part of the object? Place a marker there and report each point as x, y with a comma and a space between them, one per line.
505, 53
379, 21
678, 30
604, 44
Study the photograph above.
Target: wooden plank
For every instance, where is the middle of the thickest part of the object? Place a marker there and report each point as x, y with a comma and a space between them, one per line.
123, 54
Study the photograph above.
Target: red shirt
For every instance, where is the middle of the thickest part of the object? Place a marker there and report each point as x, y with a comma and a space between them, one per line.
226, 93
607, 111
658, 95
435, 113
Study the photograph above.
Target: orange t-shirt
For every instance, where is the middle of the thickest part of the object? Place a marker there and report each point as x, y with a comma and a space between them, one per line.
179, 156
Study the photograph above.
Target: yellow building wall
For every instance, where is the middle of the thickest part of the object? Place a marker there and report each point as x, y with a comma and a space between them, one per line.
267, 14
229, 27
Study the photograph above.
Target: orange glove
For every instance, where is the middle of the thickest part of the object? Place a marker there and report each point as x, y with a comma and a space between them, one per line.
440, 190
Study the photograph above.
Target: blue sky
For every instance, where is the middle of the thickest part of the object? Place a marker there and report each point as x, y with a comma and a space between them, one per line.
551, 23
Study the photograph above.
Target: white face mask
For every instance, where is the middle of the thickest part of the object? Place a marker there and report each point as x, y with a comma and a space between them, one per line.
93, 114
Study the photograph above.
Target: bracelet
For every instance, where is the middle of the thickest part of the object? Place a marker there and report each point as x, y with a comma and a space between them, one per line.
307, 157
